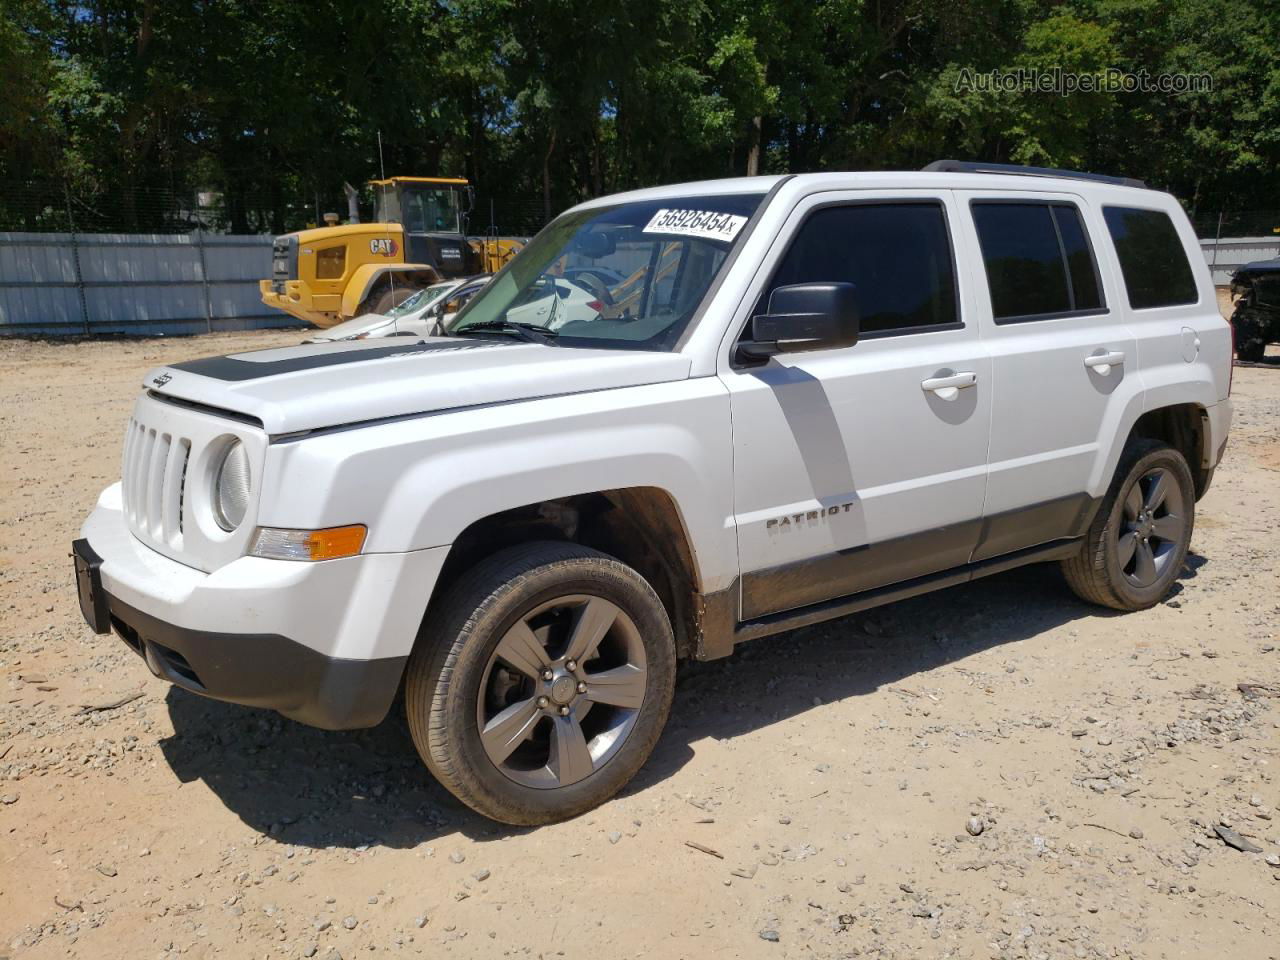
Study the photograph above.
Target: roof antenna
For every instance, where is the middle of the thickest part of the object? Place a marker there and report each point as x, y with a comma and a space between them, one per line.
382, 169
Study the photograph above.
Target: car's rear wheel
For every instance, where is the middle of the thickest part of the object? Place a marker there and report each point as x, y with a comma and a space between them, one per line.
541, 683
1138, 540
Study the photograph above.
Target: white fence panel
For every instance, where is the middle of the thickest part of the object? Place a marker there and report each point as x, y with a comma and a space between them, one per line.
1227, 255
76, 284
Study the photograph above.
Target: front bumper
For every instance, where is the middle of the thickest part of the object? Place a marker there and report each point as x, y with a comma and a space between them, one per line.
322, 643
322, 310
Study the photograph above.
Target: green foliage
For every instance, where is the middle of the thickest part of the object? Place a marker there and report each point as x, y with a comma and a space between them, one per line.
117, 110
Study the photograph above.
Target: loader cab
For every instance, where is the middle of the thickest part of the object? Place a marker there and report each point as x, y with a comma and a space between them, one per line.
432, 211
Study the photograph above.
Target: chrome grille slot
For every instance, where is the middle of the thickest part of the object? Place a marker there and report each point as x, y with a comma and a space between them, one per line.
157, 458
182, 485
154, 477
171, 450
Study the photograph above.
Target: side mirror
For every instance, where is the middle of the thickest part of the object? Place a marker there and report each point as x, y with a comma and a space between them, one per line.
805, 316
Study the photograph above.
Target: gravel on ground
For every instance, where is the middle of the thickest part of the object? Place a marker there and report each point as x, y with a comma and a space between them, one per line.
997, 770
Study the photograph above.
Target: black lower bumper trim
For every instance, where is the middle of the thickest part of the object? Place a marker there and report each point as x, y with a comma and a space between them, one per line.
263, 670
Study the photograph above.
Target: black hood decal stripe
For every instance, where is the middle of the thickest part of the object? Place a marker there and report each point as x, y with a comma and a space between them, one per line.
232, 369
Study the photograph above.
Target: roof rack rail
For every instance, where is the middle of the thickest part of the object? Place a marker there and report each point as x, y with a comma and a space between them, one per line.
970, 166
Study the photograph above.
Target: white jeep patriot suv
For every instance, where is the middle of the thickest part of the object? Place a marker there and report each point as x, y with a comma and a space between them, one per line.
681, 418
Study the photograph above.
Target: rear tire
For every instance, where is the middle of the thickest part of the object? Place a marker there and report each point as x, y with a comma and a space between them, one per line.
541, 683
1136, 545
1251, 351
1250, 336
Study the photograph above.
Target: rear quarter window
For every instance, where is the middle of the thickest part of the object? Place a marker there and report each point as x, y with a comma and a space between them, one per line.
1152, 258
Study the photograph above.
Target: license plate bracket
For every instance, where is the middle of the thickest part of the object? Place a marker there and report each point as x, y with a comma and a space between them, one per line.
93, 599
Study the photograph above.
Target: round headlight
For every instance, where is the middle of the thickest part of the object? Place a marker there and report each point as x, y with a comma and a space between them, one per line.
231, 487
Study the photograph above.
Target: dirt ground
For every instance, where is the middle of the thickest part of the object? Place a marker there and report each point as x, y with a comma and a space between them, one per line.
810, 798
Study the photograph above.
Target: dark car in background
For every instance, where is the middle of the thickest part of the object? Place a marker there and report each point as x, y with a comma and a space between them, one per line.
1255, 291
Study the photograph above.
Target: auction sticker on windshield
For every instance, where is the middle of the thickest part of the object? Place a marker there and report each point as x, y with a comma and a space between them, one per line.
708, 224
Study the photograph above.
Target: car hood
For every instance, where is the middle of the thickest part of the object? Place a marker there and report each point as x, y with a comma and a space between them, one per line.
366, 323
1261, 266
330, 384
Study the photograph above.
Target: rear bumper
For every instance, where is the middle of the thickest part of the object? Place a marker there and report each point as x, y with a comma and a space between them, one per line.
323, 643
1218, 423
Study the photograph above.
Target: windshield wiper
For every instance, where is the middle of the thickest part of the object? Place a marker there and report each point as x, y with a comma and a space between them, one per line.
529, 332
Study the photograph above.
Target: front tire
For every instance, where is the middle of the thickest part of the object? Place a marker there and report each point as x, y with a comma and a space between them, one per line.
541, 683
1136, 545
389, 299
1250, 336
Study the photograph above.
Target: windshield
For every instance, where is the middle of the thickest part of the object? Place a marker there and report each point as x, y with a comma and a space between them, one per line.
423, 299
628, 276
431, 211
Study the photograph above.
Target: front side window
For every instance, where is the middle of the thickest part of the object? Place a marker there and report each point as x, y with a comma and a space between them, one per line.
1038, 260
896, 255
1152, 258
629, 276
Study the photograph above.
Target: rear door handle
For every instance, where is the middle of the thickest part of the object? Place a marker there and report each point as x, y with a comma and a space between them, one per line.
1103, 362
948, 388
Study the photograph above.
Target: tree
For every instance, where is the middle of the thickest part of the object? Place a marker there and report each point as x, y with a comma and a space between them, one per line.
128, 107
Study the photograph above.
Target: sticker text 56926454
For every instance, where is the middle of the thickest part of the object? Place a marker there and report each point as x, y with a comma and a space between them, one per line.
707, 224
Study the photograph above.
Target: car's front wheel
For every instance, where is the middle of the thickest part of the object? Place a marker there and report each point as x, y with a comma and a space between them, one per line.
541, 682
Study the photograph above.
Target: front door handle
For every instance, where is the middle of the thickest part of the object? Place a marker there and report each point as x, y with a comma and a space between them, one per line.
948, 388
1103, 362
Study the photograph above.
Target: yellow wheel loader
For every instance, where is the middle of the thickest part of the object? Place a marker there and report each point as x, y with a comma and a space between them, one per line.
330, 274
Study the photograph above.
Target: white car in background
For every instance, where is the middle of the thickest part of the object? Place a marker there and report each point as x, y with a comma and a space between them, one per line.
573, 301
415, 317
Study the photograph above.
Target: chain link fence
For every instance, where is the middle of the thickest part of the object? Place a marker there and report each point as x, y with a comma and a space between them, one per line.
57, 208
1230, 239
163, 261
1216, 224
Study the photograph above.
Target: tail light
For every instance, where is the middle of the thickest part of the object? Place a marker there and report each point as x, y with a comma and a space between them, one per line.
595, 305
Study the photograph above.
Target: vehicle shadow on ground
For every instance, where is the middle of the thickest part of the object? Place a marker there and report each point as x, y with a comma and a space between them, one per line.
317, 788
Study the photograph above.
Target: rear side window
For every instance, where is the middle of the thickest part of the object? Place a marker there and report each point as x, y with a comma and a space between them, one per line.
1038, 260
1080, 266
897, 256
1152, 258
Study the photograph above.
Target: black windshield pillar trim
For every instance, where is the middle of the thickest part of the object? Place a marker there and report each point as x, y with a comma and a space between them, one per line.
735, 251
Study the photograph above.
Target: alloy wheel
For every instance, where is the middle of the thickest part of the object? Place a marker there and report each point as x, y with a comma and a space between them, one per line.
1152, 527
561, 691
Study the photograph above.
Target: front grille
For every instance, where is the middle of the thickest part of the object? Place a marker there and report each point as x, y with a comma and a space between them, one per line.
154, 477
284, 261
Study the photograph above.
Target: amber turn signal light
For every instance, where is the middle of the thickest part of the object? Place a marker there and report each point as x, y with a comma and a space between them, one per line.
331, 543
